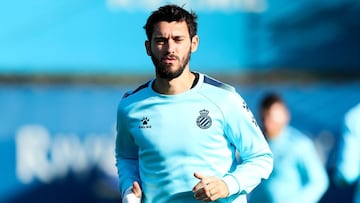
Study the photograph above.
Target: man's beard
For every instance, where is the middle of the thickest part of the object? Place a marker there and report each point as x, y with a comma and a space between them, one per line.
164, 70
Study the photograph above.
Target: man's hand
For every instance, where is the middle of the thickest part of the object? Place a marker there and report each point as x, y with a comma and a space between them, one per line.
209, 188
133, 194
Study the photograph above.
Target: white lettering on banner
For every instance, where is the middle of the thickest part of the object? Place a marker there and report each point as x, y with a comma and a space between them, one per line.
199, 5
31, 154
45, 157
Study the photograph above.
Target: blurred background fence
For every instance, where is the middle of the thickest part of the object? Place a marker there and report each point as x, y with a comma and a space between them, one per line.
64, 66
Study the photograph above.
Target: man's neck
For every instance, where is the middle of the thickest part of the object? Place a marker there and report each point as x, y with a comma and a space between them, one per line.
174, 86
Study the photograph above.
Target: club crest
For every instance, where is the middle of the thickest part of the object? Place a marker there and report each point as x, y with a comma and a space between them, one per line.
204, 121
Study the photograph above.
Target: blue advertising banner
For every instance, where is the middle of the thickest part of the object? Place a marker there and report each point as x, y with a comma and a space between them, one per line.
49, 132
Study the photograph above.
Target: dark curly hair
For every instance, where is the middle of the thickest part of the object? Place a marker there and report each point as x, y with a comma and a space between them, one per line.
170, 13
267, 101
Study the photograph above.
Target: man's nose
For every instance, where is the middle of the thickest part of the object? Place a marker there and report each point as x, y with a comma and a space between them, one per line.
170, 46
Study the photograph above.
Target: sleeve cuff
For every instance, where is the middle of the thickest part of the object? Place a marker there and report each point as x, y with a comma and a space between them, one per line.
129, 197
127, 191
232, 184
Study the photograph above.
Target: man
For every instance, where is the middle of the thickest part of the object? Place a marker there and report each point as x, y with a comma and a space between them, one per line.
299, 175
347, 170
177, 134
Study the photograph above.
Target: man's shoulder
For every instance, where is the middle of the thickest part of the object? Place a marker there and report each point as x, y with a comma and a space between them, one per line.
212, 82
353, 114
136, 90
298, 136
220, 92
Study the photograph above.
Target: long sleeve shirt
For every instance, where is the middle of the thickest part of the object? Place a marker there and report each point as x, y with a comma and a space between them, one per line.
348, 163
163, 139
299, 175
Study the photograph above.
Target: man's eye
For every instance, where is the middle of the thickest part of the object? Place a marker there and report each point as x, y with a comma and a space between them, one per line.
178, 39
159, 41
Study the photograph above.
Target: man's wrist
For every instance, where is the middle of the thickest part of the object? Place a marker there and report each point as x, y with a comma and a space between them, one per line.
232, 184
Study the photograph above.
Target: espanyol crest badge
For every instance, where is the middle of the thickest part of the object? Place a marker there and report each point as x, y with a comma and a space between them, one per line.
204, 121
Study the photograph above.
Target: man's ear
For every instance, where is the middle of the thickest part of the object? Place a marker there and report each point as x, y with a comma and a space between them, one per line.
194, 43
148, 47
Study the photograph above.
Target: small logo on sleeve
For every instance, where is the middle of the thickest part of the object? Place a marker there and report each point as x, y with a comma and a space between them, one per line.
145, 123
204, 121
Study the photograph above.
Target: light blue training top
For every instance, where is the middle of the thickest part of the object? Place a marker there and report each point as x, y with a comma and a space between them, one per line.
299, 176
348, 163
163, 139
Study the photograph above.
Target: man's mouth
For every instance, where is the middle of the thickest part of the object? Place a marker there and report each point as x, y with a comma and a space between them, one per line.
169, 59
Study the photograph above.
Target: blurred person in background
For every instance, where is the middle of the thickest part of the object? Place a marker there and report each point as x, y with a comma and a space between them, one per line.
299, 175
347, 169
178, 133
